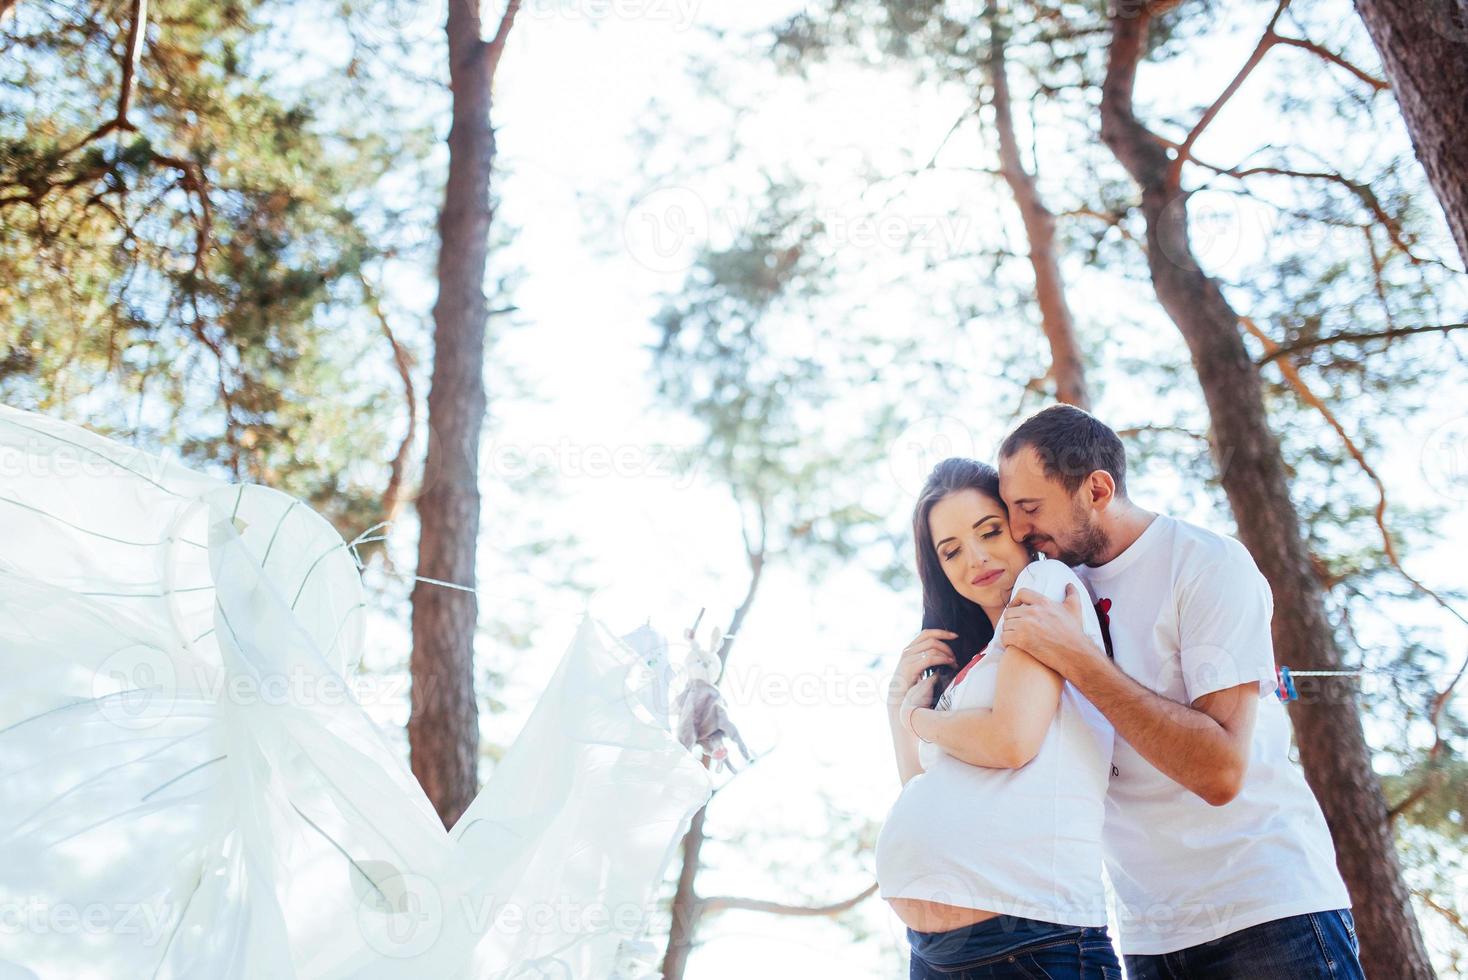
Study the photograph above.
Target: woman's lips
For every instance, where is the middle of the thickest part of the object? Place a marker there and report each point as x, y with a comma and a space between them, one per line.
988, 578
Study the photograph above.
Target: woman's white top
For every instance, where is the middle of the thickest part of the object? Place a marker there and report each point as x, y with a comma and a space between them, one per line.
1024, 842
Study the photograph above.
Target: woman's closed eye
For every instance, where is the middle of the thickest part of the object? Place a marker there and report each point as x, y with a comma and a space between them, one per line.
954, 553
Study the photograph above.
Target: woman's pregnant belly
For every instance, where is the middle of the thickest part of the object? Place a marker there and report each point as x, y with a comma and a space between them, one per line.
919, 869
963, 844
925, 916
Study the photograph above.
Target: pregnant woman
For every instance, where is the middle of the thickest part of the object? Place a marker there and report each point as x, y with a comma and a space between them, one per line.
991, 854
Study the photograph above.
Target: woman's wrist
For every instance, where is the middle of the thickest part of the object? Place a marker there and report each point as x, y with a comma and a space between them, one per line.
907, 718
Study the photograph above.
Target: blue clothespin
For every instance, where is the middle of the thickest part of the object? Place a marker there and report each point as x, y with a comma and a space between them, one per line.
1285, 686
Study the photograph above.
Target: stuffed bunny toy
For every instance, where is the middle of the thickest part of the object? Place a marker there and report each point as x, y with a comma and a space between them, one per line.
702, 717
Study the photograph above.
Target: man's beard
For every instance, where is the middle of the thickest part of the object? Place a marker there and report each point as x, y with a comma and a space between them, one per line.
1084, 548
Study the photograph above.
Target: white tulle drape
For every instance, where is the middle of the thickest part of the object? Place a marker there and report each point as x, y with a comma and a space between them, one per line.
188, 788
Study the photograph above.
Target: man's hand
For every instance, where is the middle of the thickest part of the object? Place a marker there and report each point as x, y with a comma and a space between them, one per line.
1050, 631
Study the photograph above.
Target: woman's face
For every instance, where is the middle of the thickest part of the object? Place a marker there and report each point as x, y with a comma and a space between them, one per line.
971, 537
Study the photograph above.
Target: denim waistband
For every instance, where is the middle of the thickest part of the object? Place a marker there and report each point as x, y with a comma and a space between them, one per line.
992, 937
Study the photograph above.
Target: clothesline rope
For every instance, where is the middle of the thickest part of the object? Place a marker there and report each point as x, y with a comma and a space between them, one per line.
1284, 675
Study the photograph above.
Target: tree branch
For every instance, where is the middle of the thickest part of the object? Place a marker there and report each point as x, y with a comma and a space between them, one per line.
136, 32
1177, 429
721, 903
1363, 193
192, 180
1307, 395
496, 46
1110, 218
1267, 41
392, 497
1378, 84
1446, 913
1285, 350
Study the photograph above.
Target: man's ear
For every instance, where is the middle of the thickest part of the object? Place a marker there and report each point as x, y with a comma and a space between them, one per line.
1102, 488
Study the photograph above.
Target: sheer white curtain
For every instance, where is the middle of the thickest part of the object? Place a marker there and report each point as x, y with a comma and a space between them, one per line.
188, 788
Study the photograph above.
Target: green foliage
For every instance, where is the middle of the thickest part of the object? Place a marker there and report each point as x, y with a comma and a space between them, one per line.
188, 274
739, 351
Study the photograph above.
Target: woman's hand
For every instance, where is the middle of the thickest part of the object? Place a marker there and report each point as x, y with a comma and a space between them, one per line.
920, 695
925, 650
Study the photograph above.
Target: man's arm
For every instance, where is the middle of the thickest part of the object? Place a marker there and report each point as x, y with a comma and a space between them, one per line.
1204, 747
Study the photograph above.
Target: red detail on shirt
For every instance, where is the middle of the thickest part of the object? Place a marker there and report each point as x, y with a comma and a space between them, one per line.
1103, 613
959, 676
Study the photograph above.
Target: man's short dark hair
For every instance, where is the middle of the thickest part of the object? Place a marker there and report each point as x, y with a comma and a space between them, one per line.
1072, 444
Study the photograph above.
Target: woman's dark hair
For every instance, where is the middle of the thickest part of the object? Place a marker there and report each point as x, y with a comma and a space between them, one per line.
943, 607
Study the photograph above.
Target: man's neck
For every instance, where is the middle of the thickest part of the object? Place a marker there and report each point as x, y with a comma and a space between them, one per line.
1123, 529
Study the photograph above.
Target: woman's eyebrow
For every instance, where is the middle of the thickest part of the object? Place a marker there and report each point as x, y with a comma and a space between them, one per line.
990, 517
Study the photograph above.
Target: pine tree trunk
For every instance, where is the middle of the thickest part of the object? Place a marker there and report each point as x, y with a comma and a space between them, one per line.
1424, 49
443, 731
1333, 749
1039, 224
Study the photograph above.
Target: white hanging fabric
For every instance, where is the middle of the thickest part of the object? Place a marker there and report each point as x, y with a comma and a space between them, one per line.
188, 788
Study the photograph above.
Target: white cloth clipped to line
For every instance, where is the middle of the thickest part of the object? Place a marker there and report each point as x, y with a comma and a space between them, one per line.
191, 790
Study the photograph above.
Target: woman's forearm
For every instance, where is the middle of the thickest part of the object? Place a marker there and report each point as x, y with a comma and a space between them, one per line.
973, 735
905, 745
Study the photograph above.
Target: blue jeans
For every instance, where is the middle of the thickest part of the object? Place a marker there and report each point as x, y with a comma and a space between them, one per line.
1301, 947
1011, 946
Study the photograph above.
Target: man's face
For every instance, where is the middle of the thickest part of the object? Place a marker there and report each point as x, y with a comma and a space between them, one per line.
1044, 517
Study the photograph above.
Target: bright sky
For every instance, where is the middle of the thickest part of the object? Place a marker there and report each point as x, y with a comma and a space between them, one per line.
574, 87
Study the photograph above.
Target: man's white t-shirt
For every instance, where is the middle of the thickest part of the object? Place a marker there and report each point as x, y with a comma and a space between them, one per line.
1189, 615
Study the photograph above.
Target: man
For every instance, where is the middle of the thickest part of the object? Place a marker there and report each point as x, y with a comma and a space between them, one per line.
1220, 858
